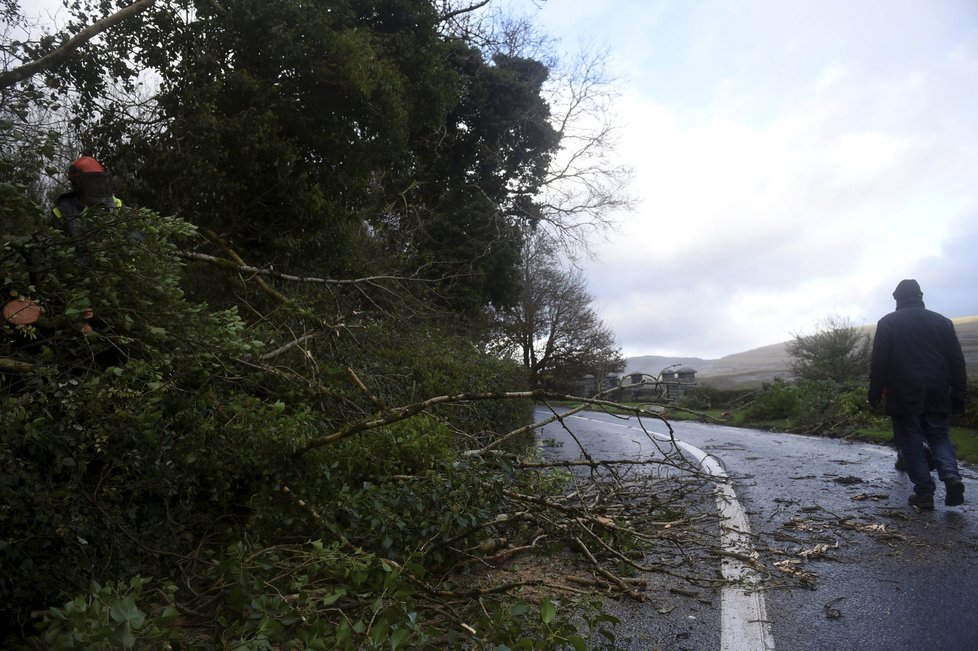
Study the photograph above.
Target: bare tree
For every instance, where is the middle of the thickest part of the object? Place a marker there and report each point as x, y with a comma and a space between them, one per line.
586, 186
554, 330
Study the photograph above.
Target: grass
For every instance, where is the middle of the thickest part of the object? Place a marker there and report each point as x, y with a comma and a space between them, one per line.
965, 441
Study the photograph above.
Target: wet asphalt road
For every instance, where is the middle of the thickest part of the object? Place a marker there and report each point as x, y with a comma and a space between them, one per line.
848, 564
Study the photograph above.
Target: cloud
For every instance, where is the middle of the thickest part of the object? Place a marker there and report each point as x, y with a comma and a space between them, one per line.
797, 188
948, 279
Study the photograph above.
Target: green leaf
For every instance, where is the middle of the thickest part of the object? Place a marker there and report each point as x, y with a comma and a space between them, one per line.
379, 632
123, 635
125, 610
547, 611
399, 638
333, 596
519, 609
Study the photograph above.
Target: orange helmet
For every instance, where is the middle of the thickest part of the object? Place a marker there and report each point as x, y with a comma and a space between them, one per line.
92, 181
85, 165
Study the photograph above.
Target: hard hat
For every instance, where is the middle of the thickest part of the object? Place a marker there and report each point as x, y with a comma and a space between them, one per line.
91, 181
84, 165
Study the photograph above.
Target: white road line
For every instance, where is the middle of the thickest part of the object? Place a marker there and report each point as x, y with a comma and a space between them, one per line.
743, 624
743, 615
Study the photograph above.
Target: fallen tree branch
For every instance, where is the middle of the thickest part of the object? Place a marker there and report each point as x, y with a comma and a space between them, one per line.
268, 289
363, 389
8, 365
600, 569
289, 346
231, 265
398, 414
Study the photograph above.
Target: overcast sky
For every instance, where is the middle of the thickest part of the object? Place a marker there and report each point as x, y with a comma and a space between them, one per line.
794, 160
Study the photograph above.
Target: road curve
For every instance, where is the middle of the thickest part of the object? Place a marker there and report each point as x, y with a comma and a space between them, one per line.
848, 564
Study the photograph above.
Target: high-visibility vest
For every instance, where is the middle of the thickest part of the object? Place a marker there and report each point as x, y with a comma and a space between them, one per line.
74, 208
67, 209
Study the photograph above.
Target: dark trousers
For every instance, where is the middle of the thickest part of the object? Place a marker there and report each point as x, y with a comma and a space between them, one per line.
910, 432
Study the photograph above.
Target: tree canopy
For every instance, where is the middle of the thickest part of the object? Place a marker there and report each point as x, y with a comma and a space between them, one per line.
308, 134
260, 377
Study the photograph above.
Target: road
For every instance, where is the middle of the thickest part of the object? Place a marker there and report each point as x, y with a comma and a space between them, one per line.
846, 563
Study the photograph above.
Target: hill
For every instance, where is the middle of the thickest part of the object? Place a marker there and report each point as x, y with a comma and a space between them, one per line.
754, 367
750, 368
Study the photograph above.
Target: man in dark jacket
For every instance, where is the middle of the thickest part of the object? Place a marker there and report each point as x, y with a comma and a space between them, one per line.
918, 365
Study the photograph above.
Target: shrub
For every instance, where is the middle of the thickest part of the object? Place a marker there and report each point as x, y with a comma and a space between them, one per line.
814, 407
969, 417
776, 400
824, 407
125, 448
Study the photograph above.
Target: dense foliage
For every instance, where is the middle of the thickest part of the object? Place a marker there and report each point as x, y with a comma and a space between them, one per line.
813, 407
332, 136
827, 394
157, 445
217, 434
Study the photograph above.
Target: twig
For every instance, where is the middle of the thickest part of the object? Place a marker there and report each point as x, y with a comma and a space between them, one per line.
268, 289
8, 365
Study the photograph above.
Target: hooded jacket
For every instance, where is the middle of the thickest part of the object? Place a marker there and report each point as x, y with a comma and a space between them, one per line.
916, 361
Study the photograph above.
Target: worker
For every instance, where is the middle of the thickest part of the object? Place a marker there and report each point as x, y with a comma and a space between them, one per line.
91, 187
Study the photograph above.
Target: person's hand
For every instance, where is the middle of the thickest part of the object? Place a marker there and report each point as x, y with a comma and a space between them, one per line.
85, 326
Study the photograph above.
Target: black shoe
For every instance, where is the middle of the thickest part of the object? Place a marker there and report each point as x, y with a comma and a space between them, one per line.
955, 492
900, 464
922, 502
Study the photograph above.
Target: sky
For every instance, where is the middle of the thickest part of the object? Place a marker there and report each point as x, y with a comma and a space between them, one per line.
793, 161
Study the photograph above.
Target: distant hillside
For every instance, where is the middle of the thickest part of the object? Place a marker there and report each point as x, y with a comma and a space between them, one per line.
754, 367
750, 368
967, 329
